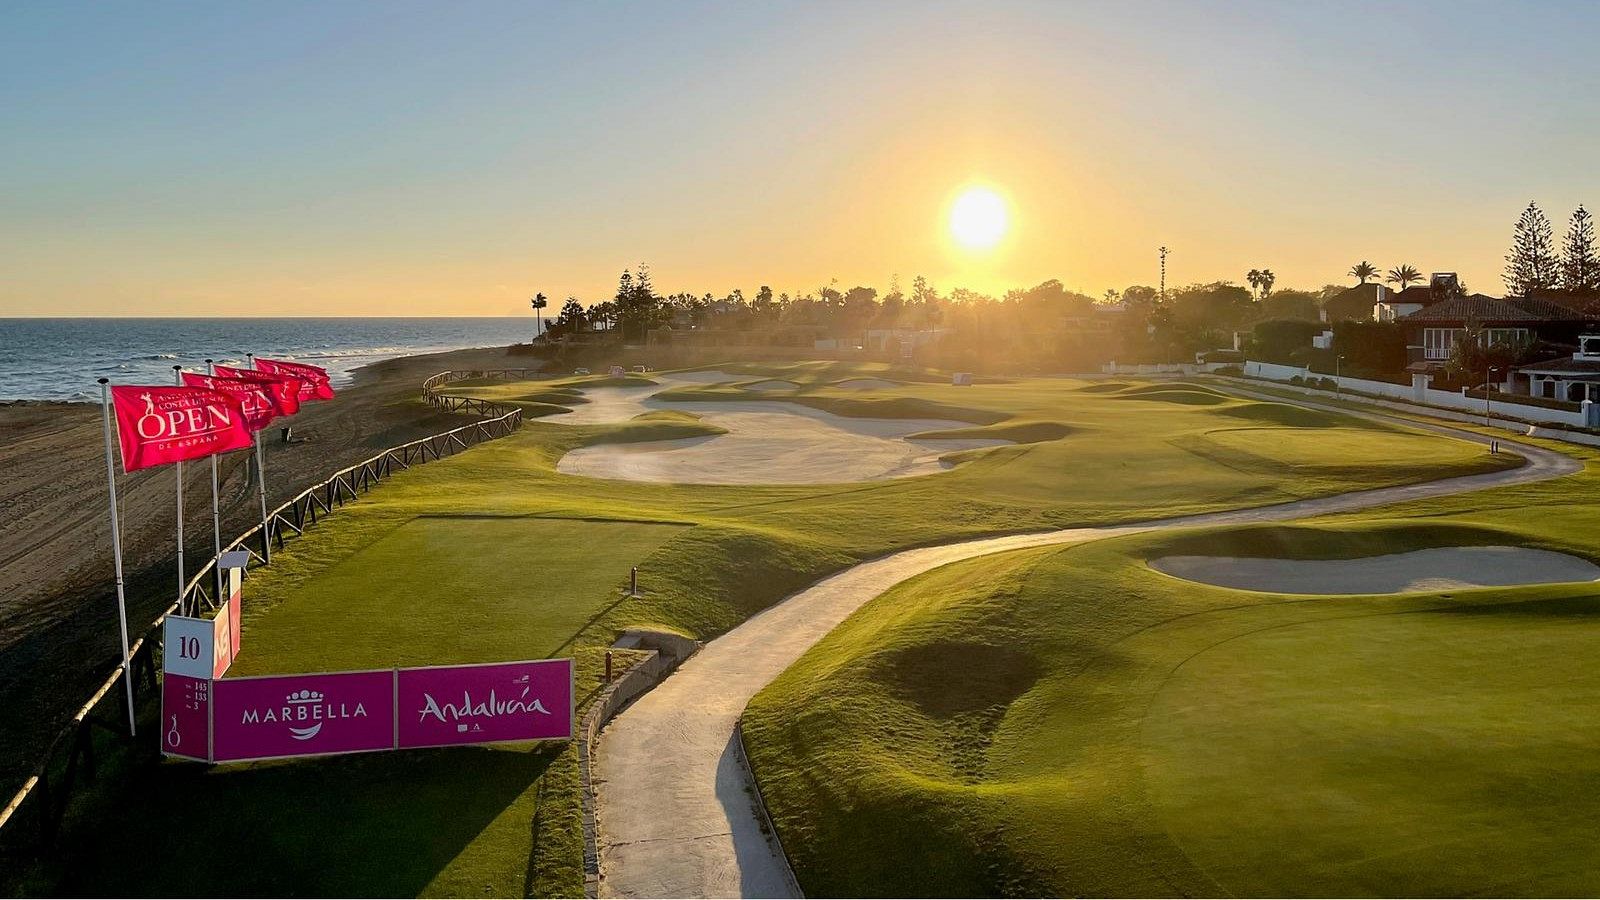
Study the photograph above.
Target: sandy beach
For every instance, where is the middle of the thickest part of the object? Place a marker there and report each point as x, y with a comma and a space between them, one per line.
58, 621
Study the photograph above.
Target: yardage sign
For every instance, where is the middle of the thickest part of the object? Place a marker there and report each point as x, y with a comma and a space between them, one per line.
186, 716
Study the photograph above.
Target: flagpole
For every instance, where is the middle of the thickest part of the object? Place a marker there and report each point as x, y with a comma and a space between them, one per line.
116, 548
216, 514
183, 607
261, 485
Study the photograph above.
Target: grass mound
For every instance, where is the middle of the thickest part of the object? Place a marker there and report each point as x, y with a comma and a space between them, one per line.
560, 396
1162, 386
1104, 387
996, 675
771, 384
1186, 396
1015, 432
1378, 538
534, 410
1282, 414
866, 384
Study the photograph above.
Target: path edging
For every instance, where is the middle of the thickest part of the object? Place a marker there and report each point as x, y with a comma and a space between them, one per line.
639, 678
760, 803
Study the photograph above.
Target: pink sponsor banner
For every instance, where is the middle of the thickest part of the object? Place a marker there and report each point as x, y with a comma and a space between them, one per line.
442, 706
279, 716
221, 640
186, 716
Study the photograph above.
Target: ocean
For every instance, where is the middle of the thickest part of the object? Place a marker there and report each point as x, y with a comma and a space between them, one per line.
59, 359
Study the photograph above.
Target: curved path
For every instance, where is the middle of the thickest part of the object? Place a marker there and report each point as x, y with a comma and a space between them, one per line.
675, 806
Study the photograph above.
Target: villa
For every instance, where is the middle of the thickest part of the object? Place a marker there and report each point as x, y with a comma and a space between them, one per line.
1573, 378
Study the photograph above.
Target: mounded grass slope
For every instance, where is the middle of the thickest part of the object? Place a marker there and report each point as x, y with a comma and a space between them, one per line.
1070, 722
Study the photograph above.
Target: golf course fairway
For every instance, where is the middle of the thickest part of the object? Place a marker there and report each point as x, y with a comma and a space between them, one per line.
493, 554
1070, 721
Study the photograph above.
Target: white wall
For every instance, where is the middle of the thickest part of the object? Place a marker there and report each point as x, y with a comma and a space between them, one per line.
1418, 393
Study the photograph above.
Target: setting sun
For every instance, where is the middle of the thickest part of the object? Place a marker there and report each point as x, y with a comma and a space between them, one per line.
978, 218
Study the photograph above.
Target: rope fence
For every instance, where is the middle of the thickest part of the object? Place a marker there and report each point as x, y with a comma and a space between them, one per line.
48, 787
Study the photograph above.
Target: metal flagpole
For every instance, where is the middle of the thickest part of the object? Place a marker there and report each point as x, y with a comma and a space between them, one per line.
261, 485
216, 514
116, 548
183, 609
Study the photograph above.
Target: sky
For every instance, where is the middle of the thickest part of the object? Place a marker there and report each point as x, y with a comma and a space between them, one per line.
395, 158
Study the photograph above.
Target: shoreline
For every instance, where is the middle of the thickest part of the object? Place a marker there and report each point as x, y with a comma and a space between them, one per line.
58, 629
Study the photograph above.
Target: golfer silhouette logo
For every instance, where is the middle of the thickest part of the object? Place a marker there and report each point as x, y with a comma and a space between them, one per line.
150, 415
173, 736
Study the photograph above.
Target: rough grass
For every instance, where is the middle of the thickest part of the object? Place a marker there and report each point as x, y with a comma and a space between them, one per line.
730, 551
1160, 738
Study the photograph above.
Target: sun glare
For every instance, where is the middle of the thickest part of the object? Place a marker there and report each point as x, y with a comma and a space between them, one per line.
978, 218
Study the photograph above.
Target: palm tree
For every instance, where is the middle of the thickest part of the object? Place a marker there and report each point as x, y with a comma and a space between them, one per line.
539, 302
1404, 276
1267, 278
1363, 270
1254, 277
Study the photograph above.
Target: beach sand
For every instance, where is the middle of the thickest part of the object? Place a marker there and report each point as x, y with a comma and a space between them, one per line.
58, 623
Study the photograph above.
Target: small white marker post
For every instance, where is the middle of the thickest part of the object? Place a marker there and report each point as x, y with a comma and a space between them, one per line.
216, 513
177, 378
261, 485
116, 548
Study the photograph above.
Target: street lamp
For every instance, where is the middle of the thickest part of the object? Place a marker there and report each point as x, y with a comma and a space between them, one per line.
539, 303
1488, 375
1336, 365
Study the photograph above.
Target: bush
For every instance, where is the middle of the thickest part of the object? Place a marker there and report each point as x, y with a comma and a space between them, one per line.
1327, 384
1233, 371
1297, 380
1277, 340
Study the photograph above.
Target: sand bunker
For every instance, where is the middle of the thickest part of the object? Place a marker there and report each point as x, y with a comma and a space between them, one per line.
1439, 569
773, 384
767, 442
866, 384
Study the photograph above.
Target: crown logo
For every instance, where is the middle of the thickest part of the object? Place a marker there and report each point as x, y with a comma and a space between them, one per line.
306, 696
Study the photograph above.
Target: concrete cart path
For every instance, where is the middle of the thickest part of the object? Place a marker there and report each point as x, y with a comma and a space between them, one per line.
675, 806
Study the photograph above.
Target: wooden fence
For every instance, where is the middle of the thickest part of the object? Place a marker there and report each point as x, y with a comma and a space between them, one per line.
48, 787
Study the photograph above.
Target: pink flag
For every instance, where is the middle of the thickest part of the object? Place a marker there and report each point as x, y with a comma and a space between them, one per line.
160, 425
254, 398
314, 382
285, 389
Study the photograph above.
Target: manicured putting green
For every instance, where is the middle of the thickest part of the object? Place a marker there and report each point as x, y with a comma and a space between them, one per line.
453, 589
1434, 753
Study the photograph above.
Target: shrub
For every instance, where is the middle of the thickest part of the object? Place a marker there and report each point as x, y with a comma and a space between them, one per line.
1234, 371
1297, 380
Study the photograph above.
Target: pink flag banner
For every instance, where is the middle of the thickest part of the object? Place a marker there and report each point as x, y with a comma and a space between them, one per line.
161, 425
285, 389
314, 381
254, 398
444, 706
279, 716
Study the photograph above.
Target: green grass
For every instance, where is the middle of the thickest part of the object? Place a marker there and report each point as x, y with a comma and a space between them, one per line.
492, 554
1071, 722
